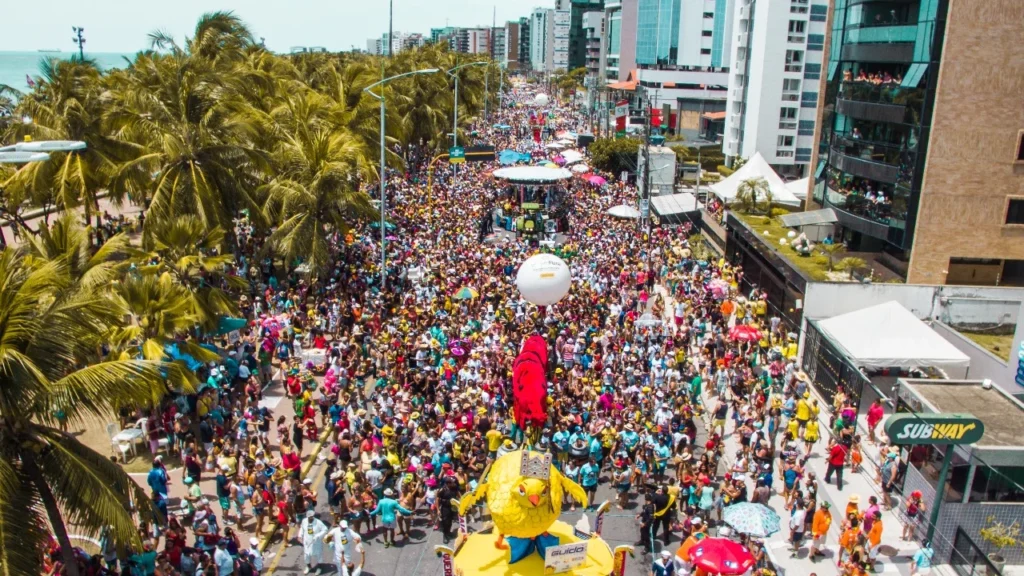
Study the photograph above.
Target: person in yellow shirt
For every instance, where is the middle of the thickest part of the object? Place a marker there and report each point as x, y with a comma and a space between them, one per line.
811, 434
803, 411
494, 438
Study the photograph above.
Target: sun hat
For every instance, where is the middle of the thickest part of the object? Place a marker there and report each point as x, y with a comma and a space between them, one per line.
389, 492
254, 542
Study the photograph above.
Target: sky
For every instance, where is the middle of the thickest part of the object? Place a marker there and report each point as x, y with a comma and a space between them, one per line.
123, 25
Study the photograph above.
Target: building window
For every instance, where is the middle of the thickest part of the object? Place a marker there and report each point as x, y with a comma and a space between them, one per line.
787, 113
1015, 211
1020, 146
785, 141
705, 51
790, 85
706, 33
794, 61
709, 14
806, 128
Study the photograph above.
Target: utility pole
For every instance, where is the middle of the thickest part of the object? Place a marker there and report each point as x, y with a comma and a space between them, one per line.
646, 192
391, 27
80, 40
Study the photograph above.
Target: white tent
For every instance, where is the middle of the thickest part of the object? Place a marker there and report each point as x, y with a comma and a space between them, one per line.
572, 157
888, 335
798, 187
756, 167
623, 211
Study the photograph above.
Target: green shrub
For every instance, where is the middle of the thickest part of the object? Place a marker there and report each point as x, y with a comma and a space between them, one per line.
724, 170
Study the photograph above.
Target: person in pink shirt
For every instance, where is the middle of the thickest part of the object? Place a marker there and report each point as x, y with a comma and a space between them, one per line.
875, 414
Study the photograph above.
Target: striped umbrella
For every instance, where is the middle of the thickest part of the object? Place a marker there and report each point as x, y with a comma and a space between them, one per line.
466, 293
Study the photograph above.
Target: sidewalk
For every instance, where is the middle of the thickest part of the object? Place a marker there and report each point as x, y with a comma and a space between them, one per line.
895, 554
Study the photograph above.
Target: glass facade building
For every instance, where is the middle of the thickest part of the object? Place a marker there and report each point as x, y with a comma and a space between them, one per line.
657, 32
880, 91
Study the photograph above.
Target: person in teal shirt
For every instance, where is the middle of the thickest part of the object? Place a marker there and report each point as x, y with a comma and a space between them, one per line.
629, 439
589, 473
596, 450
145, 561
386, 509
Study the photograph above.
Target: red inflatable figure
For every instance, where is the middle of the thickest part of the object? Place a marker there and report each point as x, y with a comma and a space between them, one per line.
530, 384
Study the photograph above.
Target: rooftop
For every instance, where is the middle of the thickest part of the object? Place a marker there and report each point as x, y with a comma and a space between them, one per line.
1000, 413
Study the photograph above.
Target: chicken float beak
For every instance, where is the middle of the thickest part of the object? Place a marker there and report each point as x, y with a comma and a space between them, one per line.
534, 499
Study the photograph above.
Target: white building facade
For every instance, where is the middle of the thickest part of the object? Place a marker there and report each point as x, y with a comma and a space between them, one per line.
541, 32
560, 41
777, 57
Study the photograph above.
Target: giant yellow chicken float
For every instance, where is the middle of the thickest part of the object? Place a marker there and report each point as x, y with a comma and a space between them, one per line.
523, 493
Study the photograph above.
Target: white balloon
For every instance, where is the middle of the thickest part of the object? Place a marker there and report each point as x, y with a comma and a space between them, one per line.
543, 279
541, 100
791, 234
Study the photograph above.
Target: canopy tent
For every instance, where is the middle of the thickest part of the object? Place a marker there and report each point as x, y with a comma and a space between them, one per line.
888, 335
676, 208
572, 156
623, 211
532, 174
756, 167
509, 157
799, 187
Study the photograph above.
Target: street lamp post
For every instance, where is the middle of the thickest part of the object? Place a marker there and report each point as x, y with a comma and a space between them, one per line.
455, 117
25, 152
383, 202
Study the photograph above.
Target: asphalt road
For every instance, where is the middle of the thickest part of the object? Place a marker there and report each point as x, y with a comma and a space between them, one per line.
416, 557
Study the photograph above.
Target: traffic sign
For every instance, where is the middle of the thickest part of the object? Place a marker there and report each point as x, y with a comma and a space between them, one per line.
456, 155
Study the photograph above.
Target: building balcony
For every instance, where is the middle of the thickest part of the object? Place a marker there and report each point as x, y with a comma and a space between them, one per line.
864, 165
882, 34
796, 39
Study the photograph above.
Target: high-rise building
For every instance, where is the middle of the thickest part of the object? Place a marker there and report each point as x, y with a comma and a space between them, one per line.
375, 46
524, 44
560, 36
577, 56
593, 29
445, 35
920, 146
541, 38
509, 55
473, 40
773, 85
657, 32
620, 39
497, 48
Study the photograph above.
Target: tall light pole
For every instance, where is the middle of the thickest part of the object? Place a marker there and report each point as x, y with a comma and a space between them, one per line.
80, 40
455, 108
25, 152
383, 202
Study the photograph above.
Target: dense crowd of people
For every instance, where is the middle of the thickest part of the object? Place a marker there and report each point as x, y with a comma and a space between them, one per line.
409, 385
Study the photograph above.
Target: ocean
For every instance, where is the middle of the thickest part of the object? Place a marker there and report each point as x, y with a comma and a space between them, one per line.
14, 66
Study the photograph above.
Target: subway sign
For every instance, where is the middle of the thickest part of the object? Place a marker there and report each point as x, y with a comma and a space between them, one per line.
934, 429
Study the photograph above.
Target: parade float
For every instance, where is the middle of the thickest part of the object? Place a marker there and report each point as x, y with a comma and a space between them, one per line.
523, 493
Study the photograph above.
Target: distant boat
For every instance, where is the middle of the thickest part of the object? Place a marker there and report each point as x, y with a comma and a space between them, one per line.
51, 51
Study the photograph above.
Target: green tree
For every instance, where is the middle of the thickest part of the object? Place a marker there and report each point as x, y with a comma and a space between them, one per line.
313, 195
51, 377
833, 251
615, 155
187, 252
751, 192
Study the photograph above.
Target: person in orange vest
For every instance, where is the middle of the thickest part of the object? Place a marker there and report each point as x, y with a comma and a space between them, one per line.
819, 529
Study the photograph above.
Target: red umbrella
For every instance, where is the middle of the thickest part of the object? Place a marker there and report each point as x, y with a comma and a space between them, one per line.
721, 556
745, 333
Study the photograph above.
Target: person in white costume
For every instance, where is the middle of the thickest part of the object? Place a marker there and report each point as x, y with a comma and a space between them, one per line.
347, 545
312, 532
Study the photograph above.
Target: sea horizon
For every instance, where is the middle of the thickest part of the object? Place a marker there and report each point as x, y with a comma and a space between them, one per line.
16, 65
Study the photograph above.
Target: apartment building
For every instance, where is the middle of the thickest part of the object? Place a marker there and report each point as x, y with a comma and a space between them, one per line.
777, 55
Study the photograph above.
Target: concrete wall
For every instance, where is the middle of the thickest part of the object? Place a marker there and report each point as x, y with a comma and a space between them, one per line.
957, 306
984, 364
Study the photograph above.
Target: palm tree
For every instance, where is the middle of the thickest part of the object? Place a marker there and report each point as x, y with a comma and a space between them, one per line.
66, 242
315, 193
833, 251
67, 105
49, 374
748, 191
197, 157
186, 252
